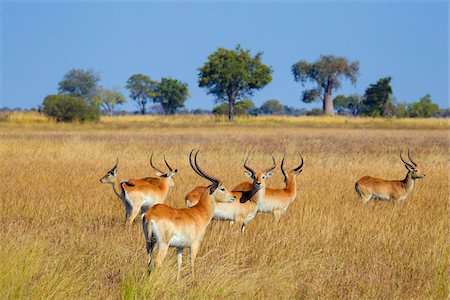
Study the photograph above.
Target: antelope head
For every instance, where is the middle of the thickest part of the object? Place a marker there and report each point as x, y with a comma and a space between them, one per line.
217, 190
110, 176
169, 175
294, 171
412, 167
259, 178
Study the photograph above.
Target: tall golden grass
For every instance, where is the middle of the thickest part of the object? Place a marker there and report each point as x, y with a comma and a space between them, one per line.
62, 233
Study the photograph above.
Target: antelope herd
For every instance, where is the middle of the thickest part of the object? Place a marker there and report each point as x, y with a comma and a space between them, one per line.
182, 228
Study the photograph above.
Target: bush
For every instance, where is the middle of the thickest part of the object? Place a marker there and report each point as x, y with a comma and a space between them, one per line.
65, 108
240, 109
315, 112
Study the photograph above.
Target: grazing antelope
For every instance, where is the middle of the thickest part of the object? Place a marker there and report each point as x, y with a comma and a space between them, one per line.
182, 227
375, 188
249, 194
277, 201
140, 194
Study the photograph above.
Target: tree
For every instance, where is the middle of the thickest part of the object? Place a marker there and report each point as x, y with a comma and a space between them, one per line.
425, 108
142, 89
346, 104
65, 108
171, 94
327, 72
231, 75
272, 107
242, 108
376, 100
79, 83
108, 99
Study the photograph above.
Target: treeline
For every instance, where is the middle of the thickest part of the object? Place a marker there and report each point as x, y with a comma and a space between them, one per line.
232, 77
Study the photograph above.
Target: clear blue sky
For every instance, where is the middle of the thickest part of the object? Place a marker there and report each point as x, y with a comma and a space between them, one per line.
41, 41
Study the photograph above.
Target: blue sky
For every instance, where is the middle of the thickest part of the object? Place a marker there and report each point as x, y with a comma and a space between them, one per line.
41, 41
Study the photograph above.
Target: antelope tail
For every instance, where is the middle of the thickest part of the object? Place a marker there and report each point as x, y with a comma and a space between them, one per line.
147, 227
358, 191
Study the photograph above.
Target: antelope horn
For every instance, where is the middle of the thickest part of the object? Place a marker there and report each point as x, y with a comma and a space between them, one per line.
153, 166
409, 165
245, 164
167, 164
272, 167
415, 165
283, 171
300, 166
202, 173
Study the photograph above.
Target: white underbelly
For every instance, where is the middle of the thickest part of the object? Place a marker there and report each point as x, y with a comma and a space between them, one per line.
179, 241
380, 196
221, 212
149, 201
264, 206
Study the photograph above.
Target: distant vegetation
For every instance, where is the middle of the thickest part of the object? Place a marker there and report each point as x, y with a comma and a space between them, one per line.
232, 77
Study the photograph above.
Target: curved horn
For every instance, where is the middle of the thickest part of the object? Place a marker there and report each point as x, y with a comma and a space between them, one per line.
245, 164
202, 173
415, 165
192, 164
153, 166
283, 171
300, 166
167, 164
408, 164
272, 167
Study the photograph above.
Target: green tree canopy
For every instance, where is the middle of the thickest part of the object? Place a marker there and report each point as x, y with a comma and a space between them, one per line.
327, 72
272, 107
231, 75
376, 101
109, 99
242, 108
142, 89
66, 108
79, 83
346, 104
425, 108
171, 94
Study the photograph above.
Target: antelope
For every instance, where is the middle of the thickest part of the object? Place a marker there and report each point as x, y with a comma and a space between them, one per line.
140, 194
375, 188
249, 194
182, 227
277, 201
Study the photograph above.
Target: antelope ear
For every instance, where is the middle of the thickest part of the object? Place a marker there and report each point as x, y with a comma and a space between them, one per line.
248, 174
159, 174
172, 173
269, 174
213, 188
115, 171
408, 168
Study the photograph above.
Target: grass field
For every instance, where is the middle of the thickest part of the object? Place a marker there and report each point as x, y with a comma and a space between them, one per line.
62, 233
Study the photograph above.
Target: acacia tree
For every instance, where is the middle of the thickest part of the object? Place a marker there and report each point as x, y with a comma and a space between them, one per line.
232, 75
327, 72
142, 89
109, 99
171, 94
79, 83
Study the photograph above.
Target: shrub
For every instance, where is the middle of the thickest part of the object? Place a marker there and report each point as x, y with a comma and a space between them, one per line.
65, 108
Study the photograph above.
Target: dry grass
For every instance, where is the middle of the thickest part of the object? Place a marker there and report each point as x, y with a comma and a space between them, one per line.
33, 120
62, 234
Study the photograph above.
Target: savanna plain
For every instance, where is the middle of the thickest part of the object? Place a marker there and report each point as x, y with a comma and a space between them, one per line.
62, 233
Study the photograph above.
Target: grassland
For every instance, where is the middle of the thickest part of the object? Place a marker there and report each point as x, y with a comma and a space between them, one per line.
62, 233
